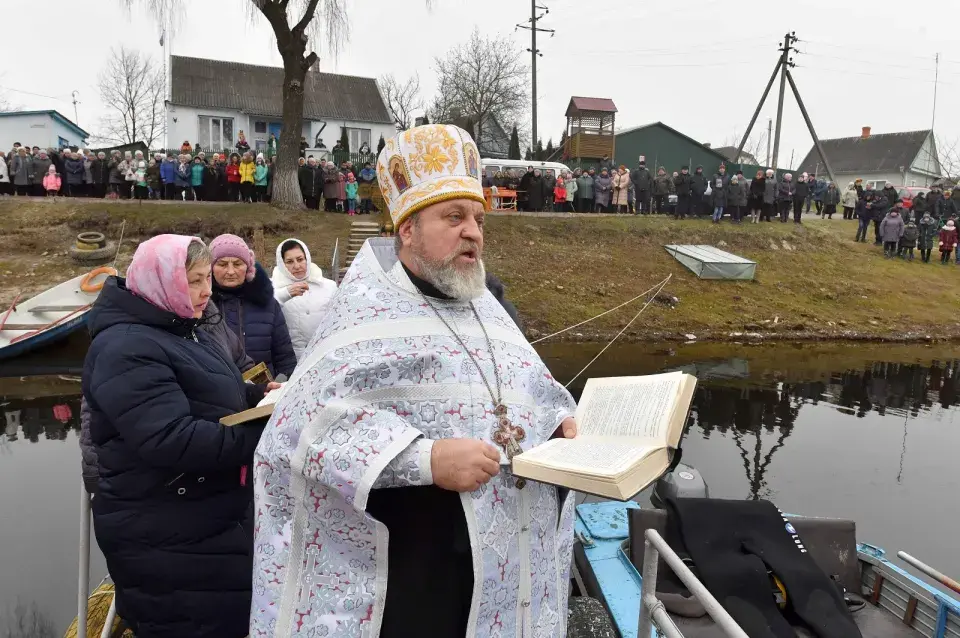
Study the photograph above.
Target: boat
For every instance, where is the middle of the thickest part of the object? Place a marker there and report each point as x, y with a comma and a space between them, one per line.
619, 545
51, 315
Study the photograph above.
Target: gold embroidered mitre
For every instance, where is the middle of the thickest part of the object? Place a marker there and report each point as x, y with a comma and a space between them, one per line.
426, 165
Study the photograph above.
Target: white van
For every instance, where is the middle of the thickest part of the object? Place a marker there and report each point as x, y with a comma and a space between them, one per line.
492, 166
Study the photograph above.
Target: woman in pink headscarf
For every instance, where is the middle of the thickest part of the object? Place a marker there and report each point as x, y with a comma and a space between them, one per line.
173, 512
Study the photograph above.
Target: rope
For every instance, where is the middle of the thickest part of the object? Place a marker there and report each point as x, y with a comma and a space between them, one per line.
645, 292
120, 243
649, 301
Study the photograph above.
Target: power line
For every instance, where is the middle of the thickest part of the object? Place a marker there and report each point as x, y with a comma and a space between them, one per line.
685, 52
875, 75
49, 97
885, 64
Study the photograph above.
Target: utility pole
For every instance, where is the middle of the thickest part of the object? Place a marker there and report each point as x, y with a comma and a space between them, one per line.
769, 138
784, 64
76, 117
788, 40
936, 81
534, 52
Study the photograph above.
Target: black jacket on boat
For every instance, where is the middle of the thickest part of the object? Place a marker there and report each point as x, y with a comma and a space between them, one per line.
257, 318
172, 515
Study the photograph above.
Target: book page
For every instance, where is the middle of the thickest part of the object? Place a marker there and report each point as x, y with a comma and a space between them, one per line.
629, 406
587, 456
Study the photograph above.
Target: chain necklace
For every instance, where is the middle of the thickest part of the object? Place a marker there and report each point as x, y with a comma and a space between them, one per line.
506, 435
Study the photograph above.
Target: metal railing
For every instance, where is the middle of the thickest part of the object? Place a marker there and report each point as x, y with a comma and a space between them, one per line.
652, 611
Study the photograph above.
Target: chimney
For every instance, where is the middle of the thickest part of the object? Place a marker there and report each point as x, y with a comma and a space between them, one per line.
706, 144
454, 113
866, 133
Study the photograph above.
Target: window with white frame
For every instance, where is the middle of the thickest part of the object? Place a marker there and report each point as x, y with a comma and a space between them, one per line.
358, 137
215, 133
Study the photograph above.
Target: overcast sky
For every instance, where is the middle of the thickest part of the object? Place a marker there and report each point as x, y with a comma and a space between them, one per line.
699, 66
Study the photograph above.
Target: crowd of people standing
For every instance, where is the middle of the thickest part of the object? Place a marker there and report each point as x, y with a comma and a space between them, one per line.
242, 176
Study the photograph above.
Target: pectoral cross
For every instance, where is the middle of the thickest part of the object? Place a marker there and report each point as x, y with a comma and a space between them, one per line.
508, 436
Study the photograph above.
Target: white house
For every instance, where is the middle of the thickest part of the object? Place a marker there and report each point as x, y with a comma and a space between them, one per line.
46, 129
211, 101
902, 159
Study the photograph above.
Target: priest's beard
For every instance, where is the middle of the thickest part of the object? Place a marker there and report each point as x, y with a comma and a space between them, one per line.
464, 283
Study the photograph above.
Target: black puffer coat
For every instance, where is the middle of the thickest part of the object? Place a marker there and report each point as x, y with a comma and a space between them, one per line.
173, 513
229, 343
257, 318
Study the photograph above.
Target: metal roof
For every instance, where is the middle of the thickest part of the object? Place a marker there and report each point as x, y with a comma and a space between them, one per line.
57, 115
878, 153
602, 104
258, 90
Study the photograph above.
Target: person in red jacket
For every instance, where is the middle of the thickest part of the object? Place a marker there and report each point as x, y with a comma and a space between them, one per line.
233, 178
560, 193
948, 241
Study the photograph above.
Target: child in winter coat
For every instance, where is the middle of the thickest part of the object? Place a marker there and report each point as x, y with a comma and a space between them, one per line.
140, 185
233, 178
572, 188
260, 174
153, 180
948, 241
51, 181
182, 182
908, 240
719, 200
351, 188
560, 193
197, 169
247, 170
928, 232
829, 199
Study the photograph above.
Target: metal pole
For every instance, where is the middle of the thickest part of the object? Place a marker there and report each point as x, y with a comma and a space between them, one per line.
936, 81
648, 587
940, 577
784, 57
813, 133
769, 138
111, 618
83, 585
710, 604
533, 67
756, 114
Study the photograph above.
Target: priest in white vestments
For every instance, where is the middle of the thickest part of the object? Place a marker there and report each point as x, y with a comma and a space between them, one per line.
385, 504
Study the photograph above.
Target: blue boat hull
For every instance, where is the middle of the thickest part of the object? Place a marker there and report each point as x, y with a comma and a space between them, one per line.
44, 338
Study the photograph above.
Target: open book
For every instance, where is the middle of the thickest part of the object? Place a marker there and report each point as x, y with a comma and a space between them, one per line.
627, 429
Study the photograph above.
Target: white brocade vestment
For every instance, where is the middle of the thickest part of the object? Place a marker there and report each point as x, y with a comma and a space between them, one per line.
380, 379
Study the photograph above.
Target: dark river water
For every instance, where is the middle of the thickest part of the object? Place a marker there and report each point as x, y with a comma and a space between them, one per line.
870, 433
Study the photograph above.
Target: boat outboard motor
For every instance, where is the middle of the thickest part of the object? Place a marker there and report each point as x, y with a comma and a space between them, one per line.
684, 481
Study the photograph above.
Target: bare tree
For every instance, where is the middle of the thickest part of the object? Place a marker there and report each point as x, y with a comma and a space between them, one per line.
756, 145
483, 78
294, 24
131, 89
948, 152
402, 98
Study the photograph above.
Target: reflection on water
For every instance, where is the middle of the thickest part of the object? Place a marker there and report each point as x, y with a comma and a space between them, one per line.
818, 433
26, 621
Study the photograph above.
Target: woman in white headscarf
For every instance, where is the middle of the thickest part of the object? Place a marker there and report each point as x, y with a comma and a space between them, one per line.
299, 286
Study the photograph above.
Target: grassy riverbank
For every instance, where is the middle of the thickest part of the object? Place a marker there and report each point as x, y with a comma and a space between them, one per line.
812, 281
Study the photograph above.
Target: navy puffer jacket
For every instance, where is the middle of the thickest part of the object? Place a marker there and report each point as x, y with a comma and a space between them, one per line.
252, 312
172, 516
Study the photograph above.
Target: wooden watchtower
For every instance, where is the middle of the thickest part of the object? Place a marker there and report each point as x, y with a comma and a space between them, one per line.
590, 128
